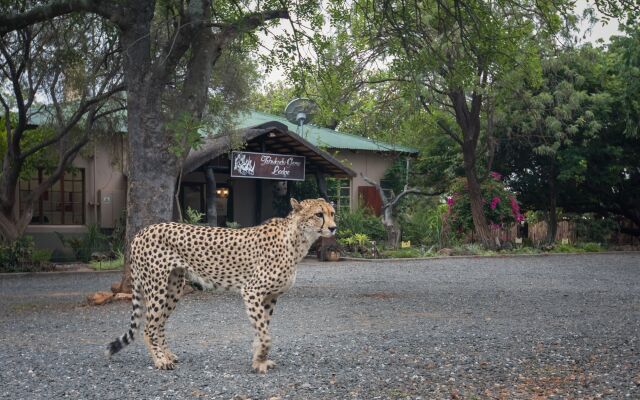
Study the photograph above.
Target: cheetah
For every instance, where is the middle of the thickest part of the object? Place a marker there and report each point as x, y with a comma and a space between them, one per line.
259, 262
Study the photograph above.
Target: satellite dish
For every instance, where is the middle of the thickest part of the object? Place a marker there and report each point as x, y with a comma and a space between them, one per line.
300, 111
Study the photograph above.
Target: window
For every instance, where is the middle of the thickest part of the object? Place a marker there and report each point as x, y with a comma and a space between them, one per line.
62, 204
339, 191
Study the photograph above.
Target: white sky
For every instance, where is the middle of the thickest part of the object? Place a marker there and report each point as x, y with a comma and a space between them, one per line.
599, 30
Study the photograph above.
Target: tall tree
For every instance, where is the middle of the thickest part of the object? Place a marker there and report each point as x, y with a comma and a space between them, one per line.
169, 50
572, 142
453, 52
74, 65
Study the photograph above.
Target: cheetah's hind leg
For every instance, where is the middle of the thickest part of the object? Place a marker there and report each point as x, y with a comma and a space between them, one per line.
175, 286
154, 327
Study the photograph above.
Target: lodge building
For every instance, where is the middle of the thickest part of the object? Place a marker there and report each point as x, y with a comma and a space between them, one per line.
245, 186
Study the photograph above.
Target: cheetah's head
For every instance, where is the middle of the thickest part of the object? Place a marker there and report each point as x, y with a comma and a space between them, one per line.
316, 217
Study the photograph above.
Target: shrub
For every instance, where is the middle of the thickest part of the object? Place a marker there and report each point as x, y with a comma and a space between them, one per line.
22, 255
500, 205
566, 248
360, 221
592, 247
193, 216
406, 253
471, 249
87, 244
425, 225
591, 228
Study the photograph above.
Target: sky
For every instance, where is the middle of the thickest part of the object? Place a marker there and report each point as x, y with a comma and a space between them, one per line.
598, 31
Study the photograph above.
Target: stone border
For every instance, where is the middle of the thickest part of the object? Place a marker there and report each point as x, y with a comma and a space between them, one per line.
354, 259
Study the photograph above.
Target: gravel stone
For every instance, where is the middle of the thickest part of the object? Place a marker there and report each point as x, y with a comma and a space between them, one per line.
561, 326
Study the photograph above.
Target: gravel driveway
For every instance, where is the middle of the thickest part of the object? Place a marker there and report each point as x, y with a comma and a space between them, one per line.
464, 328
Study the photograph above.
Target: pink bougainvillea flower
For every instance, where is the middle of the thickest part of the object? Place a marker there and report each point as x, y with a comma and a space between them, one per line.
494, 202
450, 201
515, 209
495, 175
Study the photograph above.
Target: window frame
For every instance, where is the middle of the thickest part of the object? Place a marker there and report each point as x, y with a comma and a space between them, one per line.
342, 202
38, 209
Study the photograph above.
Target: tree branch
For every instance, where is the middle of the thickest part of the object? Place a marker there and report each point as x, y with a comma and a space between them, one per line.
253, 20
73, 121
65, 158
57, 8
385, 201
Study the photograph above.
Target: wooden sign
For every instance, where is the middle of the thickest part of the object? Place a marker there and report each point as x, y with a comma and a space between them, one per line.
281, 167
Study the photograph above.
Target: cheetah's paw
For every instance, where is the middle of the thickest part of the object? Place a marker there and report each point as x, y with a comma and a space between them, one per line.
261, 367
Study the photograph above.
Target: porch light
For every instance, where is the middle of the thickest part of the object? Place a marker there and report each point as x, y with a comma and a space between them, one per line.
222, 192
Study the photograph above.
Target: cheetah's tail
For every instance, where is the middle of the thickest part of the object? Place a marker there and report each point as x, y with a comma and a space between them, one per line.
136, 315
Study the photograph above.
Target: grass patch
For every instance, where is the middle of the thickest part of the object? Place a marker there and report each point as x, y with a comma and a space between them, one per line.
406, 253
108, 265
578, 248
522, 250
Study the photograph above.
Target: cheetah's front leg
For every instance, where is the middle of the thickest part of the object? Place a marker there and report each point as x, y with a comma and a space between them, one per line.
259, 308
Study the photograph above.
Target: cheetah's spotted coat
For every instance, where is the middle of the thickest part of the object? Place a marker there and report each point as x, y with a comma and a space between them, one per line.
260, 262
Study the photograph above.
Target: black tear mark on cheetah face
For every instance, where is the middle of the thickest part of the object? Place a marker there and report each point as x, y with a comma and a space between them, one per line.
317, 216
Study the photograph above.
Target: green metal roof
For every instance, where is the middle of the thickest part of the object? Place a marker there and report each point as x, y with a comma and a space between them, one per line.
322, 137
319, 137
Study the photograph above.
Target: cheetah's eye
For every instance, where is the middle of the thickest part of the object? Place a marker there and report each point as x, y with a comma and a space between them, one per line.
319, 215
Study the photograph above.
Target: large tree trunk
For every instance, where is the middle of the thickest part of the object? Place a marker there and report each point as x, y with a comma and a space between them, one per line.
152, 168
468, 120
477, 210
13, 224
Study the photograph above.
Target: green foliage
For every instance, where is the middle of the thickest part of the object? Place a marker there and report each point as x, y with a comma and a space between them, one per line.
395, 176
425, 224
360, 221
22, 256
471, 249
193, 216
273, 98
592, 247
625, 53
45, 158
573, 134
592, 228
84, 246
231, 92
358, 239
186, 134
412, 252
307, 189
566, 248
233, 225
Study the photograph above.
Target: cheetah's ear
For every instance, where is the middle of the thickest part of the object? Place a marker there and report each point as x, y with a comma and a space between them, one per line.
295, 205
